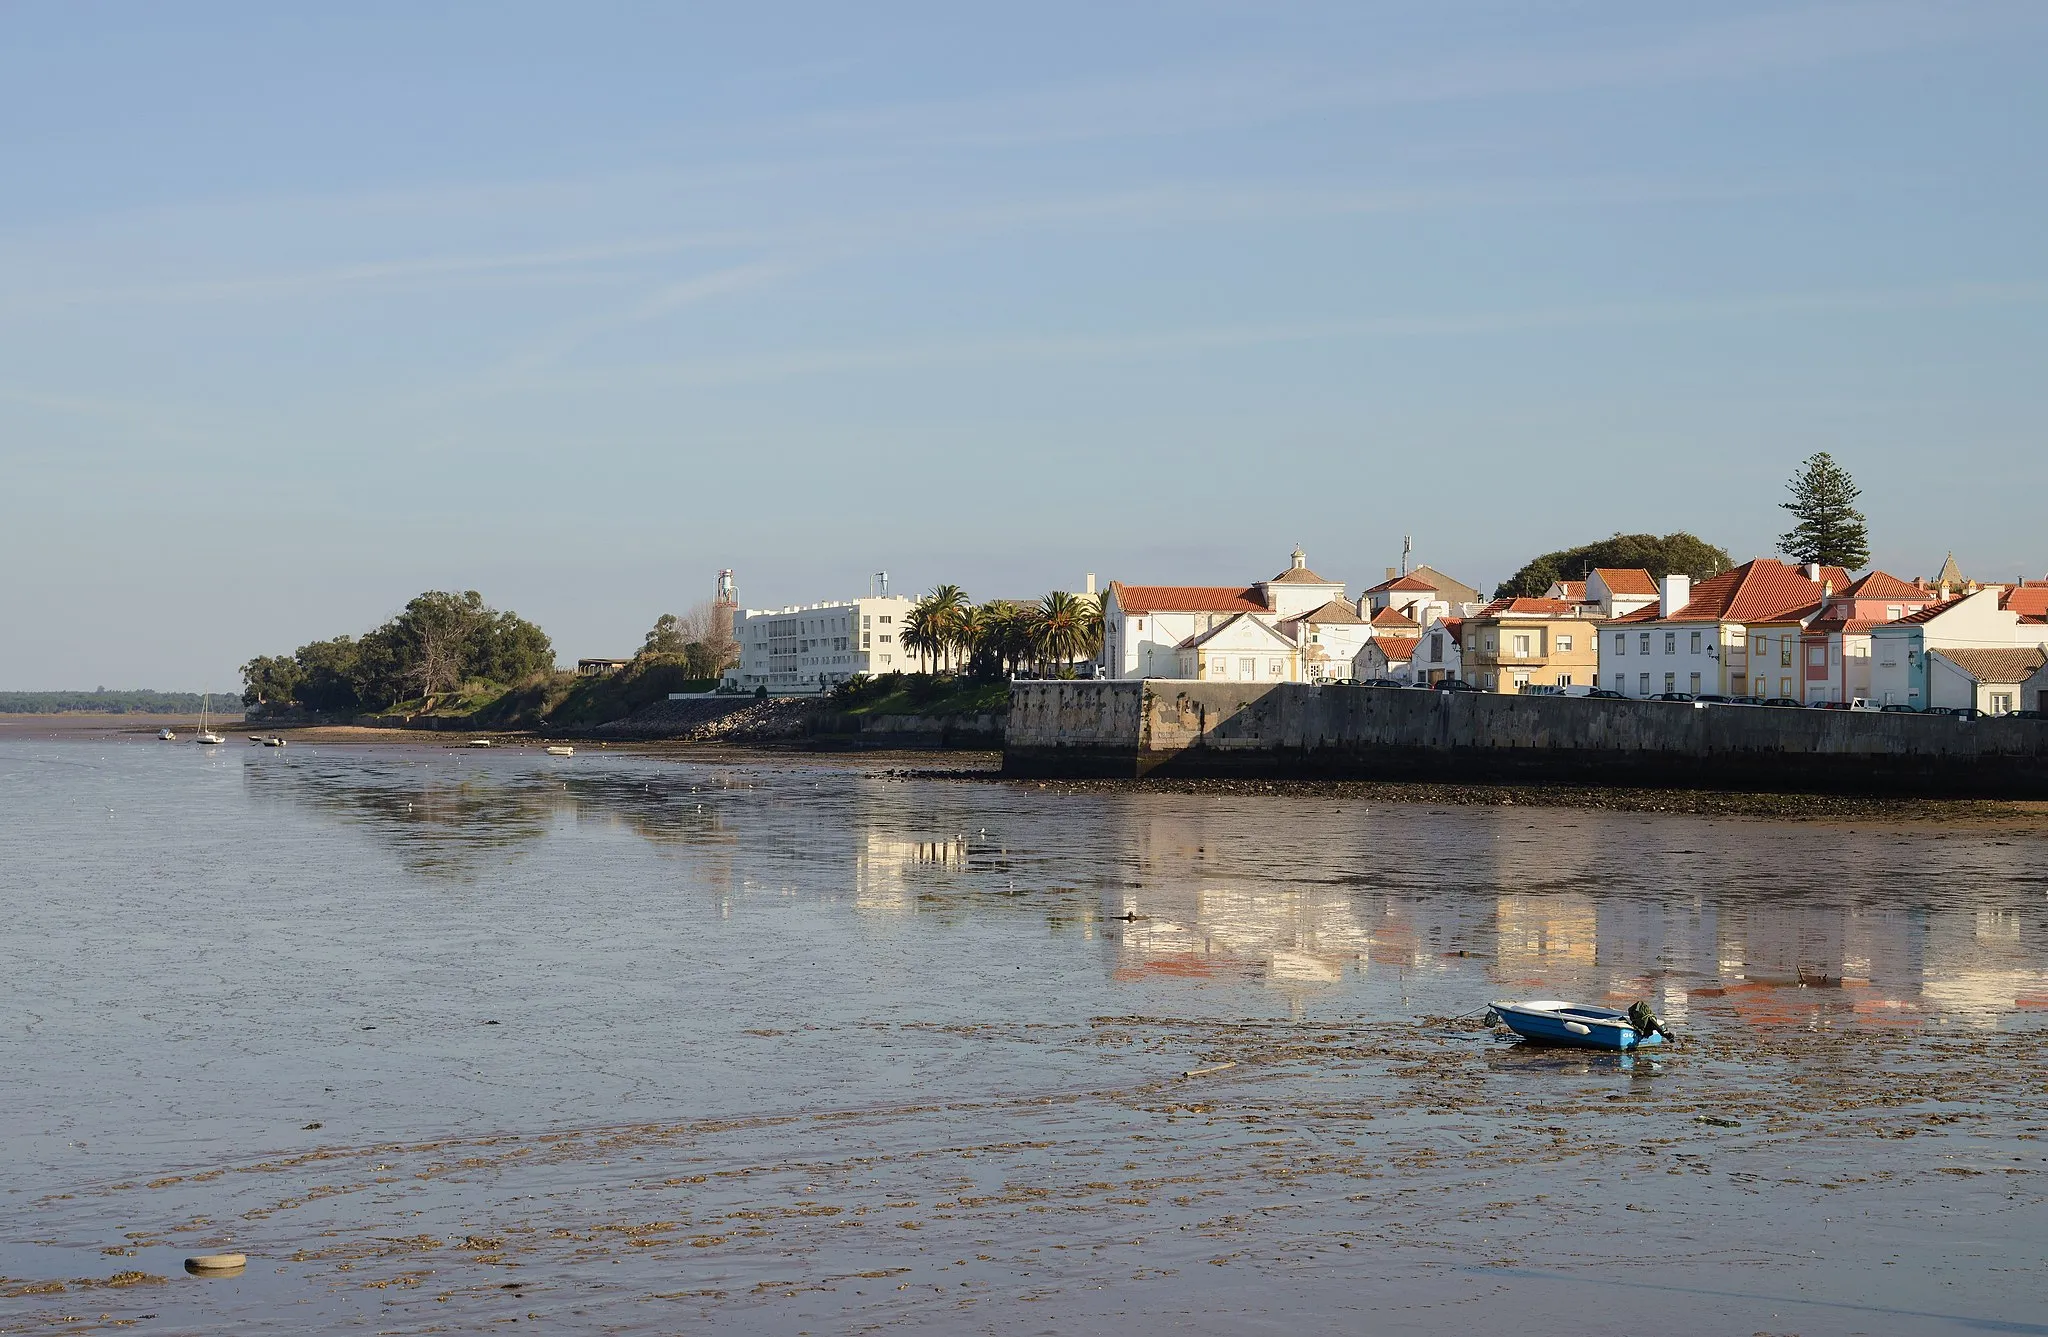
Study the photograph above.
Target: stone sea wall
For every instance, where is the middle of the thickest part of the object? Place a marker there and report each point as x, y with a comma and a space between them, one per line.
1291, 730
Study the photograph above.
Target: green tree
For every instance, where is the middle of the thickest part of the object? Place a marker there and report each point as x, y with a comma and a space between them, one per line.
271, 680
1681, 553
328, 671
1831, 531
666, 637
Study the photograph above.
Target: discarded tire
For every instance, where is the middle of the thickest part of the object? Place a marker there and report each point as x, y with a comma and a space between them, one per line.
217, 1262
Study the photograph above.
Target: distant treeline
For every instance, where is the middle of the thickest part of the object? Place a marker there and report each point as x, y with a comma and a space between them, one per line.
100, 701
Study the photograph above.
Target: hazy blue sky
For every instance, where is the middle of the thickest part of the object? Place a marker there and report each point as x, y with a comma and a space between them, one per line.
306, 308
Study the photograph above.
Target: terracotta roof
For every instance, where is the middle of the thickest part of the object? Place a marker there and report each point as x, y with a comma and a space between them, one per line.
1299, 575
2027, 601
1387, 617
1926, 614
1202, 637
1337, 612
1451, 626
1760, 590
1574, 590
1999, 665
1186, 598
1879, 585
1398, 649
1403, 583
1626, 579
1529, 608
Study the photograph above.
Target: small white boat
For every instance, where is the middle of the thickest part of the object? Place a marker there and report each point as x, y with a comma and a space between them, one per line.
479, 742
273, 741
167, 735
560, 751
205, 734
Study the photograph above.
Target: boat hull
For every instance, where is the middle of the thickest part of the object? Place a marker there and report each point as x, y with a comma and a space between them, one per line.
1573, 1025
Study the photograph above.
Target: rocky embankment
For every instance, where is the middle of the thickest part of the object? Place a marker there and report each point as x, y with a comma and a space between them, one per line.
717, 719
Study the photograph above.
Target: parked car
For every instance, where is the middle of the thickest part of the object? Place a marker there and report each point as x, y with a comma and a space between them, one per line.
2025, 715
1713, 700
1897, 709
1956, 712
1783, 702
1745, 700
1382, 682
1605, 694
1456, 685
1672, 696
1830, 705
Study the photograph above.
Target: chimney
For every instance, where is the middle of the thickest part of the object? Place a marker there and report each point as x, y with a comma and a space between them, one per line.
1675, 592
1391, 573
1812, 571
1089, 581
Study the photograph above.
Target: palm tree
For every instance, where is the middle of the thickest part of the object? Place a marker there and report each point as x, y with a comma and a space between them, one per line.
917, 636
943, 608
1069, 627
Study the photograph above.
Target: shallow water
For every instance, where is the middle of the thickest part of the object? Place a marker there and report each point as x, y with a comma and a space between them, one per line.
618, 1043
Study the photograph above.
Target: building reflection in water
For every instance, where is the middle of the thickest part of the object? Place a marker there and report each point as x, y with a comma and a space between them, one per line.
1774, 923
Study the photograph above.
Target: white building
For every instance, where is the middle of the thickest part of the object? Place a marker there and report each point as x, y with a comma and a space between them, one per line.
1735, 634
1145, 627
1243, 648
810, 647
1899, 651
1990, 680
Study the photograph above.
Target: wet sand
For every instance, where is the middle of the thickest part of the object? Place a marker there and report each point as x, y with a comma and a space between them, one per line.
448, 1039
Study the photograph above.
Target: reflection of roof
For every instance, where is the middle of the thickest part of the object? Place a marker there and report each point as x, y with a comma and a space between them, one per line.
1388, 618
1185, 598
1398, 649
1337, 612
2000, 664
1530, 608
1403, 584
1204, 637
1626, 580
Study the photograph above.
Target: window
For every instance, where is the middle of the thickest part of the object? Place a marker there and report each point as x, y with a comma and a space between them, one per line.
1436, 648
1763, 686
1521, 679
885, 619
1670, 642
1620, 644
1139, 624
1521, 647
866, 621
1489, 643
1489, 681
1695, 642
1695, 688
1564, 645
885, 659
865, 638
1564, 680
1784, 687
1276, 668
1893, 612
1671, 682
1784, 652
2001, 703
1642, 684
1817, 656
1643, 646
1621, 682
885, 635
1247, 669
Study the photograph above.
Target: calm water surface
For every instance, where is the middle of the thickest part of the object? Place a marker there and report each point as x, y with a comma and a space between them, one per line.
449, 1039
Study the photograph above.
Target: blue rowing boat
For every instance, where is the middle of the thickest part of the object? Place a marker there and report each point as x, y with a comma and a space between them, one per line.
1554, 1022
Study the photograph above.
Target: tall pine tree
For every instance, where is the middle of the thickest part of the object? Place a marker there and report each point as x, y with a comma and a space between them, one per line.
1830, 529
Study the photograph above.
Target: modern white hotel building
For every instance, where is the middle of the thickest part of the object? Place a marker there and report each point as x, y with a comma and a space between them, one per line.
811, 647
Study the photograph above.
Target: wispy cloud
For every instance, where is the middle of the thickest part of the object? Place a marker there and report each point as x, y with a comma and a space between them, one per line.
922, 356
663, 301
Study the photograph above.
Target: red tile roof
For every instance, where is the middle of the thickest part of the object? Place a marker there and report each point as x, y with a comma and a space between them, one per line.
1626, 579
1997, 664
1519, 607
1185, 598
1879, 585
1387, 617
1398, 649
1337, 612
1574, 590
1403, 583
2027, 601
1760, 590
1927, 613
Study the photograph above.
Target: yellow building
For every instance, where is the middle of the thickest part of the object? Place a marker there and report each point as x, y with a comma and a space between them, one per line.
1512, 645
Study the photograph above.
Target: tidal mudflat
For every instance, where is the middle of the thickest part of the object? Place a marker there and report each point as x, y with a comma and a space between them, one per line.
449, 1041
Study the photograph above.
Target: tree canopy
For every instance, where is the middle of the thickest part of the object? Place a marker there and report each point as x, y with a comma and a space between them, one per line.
1681, 553
438, 642
1831, 531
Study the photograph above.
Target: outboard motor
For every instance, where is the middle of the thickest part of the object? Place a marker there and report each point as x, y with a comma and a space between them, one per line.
1647, 1022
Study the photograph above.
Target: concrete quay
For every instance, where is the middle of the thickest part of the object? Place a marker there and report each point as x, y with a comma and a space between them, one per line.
1305, 731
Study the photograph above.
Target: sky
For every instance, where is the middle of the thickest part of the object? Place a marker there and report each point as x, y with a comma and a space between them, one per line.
305, 309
